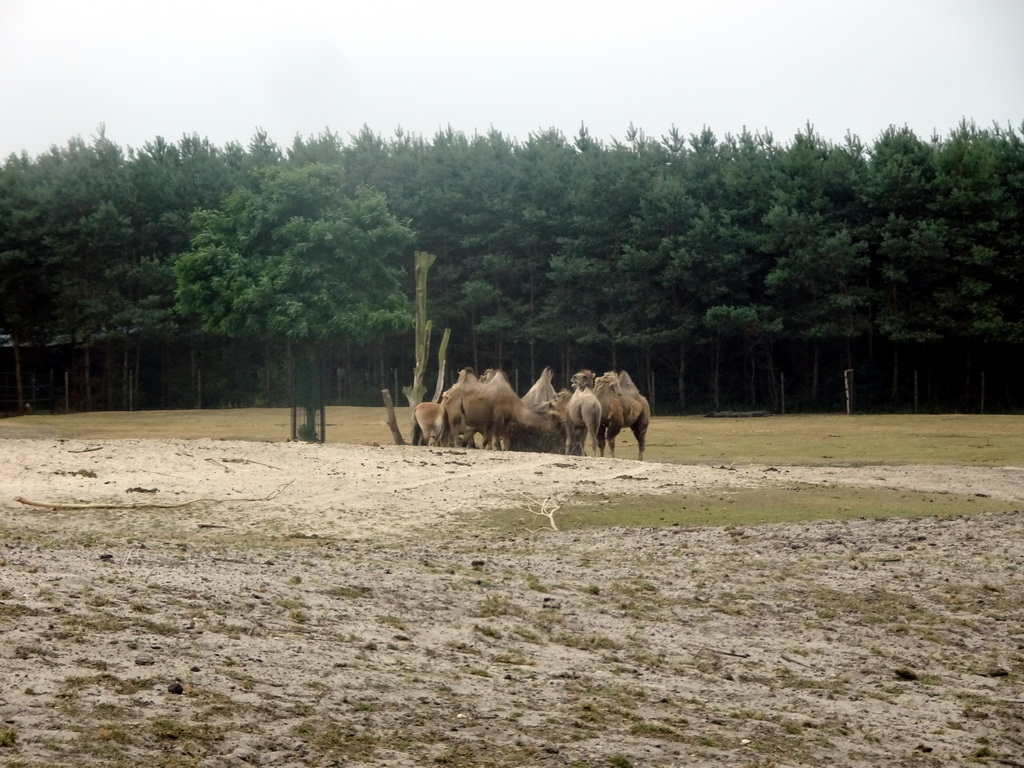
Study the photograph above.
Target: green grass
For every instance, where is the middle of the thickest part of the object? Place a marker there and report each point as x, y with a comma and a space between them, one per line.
995, 440
8, 736
759, 505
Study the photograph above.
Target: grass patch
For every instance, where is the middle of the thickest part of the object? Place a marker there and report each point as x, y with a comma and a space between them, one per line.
125, 687
588, 642
16, 611
174, 730
337, 740
96, 622
348, 592
978, 440
493, 606
735, 507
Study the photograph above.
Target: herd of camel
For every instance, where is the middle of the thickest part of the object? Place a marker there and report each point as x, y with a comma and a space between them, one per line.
591, 415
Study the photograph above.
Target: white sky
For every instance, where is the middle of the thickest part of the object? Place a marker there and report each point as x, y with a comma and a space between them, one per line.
222, 68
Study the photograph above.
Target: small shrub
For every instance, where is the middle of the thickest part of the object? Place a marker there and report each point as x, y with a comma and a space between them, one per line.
496, 605
487, 631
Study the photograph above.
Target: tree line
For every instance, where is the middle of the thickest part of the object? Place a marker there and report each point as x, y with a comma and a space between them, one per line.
733, 272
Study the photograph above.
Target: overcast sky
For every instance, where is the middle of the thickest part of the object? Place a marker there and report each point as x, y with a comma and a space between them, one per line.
222, 68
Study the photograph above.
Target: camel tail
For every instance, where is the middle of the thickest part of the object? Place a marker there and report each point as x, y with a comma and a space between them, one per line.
417, 433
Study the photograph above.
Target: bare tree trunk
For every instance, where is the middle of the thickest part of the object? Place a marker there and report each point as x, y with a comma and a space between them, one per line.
442, 364
968, 361
125, 378
87, 362
894, 393
814, 371
681, 374
165, 367
715, 371
389, 407
19, 385
773, 387
268, 396
194, 375
414, 394
348, 369
109, 374
649, 377
752, 389
137, 391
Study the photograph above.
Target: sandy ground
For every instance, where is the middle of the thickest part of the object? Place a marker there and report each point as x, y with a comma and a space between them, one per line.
222, 603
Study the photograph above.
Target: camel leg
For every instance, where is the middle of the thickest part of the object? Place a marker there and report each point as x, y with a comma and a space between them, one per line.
612, 434
578, 434
640, 433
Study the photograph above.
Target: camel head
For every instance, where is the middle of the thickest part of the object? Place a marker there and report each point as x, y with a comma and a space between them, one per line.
555, 410
583, 379
559, 403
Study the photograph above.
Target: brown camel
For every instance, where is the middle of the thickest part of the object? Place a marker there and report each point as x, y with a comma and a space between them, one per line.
492, 408
541, 393
579, 414
426, 424
582, 379
636, 411
609, 395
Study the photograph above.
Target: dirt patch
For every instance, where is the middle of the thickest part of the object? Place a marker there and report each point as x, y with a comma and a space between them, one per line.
339, 604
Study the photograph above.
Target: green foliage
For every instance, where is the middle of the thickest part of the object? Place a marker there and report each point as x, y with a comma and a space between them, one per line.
289, 257
709, 267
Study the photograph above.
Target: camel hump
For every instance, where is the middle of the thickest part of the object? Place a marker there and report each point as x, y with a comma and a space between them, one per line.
466, 374
541, 392
626, 383
609, 381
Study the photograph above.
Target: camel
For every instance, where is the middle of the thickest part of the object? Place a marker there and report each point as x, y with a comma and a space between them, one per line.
609, 395
582, 419
492, 408
426, 424
582, 379
454, 431
541, 393
636, 411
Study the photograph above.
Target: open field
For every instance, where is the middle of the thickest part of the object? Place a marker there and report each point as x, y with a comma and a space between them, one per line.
832, 439
174, 591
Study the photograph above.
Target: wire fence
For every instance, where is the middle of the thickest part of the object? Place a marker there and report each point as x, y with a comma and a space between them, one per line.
37, 394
